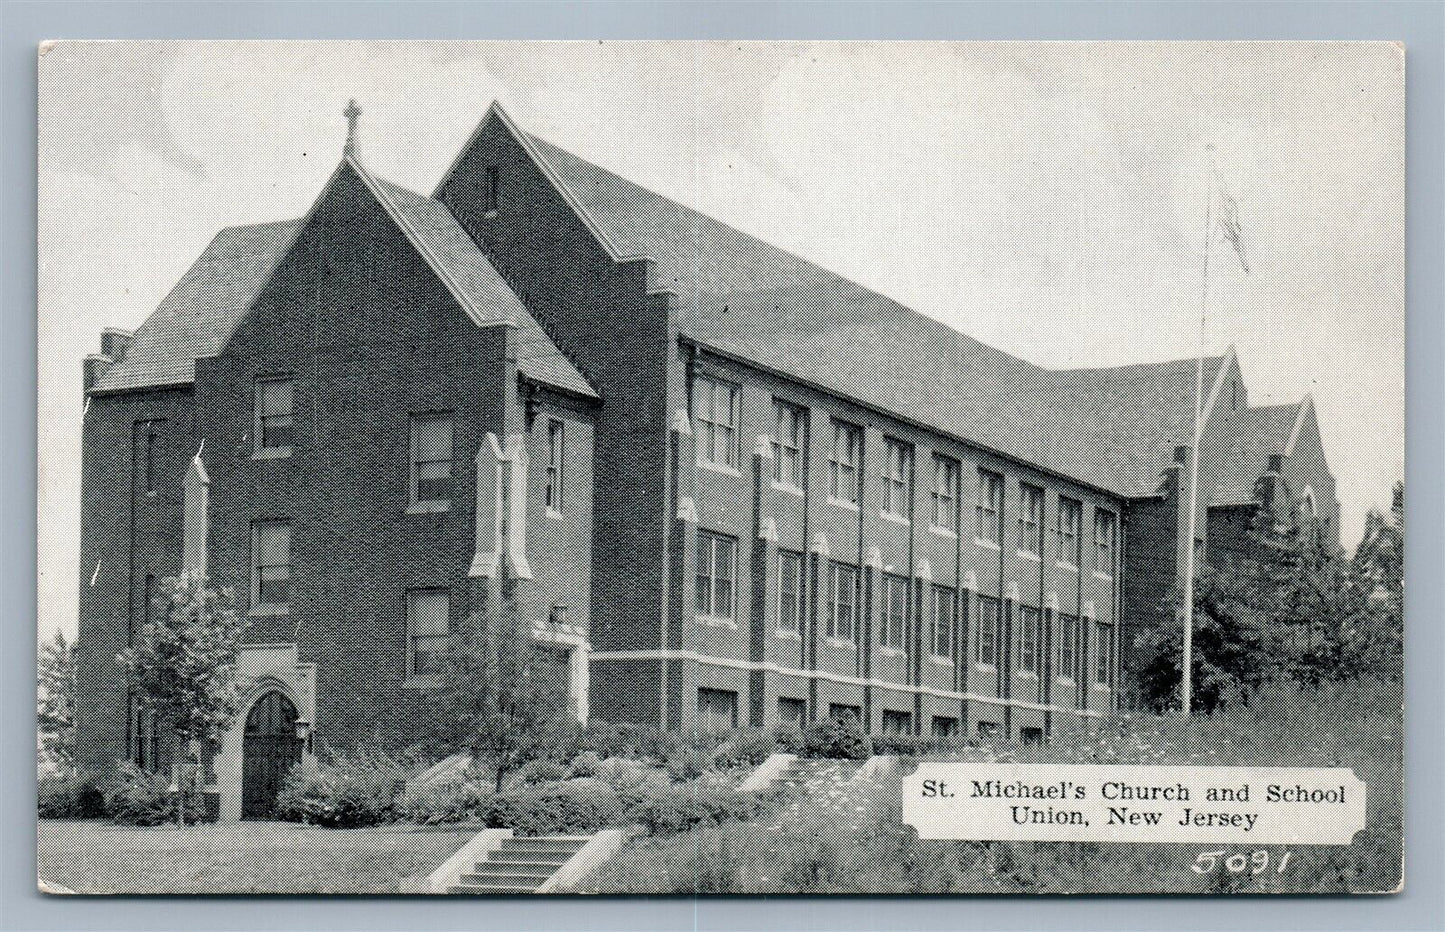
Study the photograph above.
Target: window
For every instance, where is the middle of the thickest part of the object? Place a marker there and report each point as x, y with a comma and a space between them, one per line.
716, 570
789, 431
945, 614
990, 507
427, 612
144, 741
1104, 653
1103, 541
717, 710
275, 408
148, 593
792, 713
842, 606
557, 616
143, 454
897, 479
1030, 631
895, 611
790, 591
431, 458
1031, 520
990, 620
1071, 519
1069, 646
715, 421
491, 195
270, 563
844, 713
987, 729
556, 453
897, 723
1031, 735
945, 727
945, 493
843, 464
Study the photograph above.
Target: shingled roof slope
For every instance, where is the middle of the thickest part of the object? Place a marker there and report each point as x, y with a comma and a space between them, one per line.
1242, 455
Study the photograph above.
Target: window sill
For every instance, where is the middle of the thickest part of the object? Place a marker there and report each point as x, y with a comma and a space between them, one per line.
788, 634
985, 544
269, 610
896, 519
787, 487
941, 661
1101, 687
840, 642
422, 682
982, 667
271, 453
1066, 566
943, 532
1066, 680
843, 503
718, 622
1028, 555
555, 515
892, 651
1027, 674
428, 508
490, 215
719, 468
1102, 576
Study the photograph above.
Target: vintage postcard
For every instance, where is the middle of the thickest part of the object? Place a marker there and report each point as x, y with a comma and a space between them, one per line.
485, 468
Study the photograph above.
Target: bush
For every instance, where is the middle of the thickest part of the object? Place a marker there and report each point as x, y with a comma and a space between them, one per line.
746, 748
551, 809
679, 808
788, 739
834, 738
586, 764
440, 802
904, 745
347, 792
72, 796
686, 764
140, 798
541, 771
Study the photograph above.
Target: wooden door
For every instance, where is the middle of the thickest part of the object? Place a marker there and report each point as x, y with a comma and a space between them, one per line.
270, 750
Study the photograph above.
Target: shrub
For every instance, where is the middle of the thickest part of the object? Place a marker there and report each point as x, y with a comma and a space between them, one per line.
686, 764
557, 808
140, 798
347, 792
586, 764
442, 801
834, 738
904, 745
72, 796
541, 771
679, 808
746, 748
788, 739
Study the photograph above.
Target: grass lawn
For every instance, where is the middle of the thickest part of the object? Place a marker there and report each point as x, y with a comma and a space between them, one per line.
245, 857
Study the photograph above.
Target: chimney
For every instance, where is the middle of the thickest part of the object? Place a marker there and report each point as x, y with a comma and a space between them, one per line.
352, 114
95, 366
114, 342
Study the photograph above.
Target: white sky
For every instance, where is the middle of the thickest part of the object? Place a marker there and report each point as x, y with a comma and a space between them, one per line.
1046, 198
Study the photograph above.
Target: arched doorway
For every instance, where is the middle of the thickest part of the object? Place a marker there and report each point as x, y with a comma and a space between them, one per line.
269, 751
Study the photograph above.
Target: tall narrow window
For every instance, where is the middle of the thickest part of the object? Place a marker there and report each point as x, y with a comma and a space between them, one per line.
144, 444
842, 606
989, 621
945, 617
843, 464
1030, 627
716, 570
271, 563
789, 423
1069, 646
431, 458
143, 737
1104, 653
897, 479
715, 421
790, 591
1031, 520
427, 625
1071, 516
556, 453
945, 493
492, 193
275, 413
1104, 541
895, 611
990, 507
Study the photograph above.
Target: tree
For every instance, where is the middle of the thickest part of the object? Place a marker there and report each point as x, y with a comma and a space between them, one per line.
182, 668
1377, 575
55, 703
498, 699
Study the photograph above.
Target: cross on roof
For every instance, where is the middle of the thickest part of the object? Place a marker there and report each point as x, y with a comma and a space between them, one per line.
351, 113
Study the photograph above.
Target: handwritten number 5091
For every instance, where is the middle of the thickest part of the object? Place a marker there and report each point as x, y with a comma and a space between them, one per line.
1237, 863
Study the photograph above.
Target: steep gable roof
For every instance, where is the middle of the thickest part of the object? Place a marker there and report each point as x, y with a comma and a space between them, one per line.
1243, 453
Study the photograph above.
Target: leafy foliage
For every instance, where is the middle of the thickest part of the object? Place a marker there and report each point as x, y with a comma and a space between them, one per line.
832, 737
345, 792
55, 704
69, 796
556, 808
141, 798
680, 808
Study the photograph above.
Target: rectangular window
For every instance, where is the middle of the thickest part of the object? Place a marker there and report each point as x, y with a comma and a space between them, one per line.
789, 433
427, 626
1069, 646
895, 611
1104, 653
144, 441
1071, 518
556, 454
1031, 735
716, 571
844, 713
431, 458
270, 563
715, 421
945, 617
897, 478
990, 620
842, 605
945, 727
557, 616
492, 193
843, 464
1031, 520
790, 591
990, 507
717, 710
1104, 541
988, 729
897, 723
275, 409
792, 713
945, 493
1030, 629
144, 742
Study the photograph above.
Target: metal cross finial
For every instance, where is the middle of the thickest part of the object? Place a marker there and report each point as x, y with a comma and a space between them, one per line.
352, 112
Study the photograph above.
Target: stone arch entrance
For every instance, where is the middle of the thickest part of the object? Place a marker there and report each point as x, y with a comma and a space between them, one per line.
269, 750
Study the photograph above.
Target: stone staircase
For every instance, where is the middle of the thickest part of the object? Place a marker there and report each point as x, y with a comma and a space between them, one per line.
811, 775
520, 865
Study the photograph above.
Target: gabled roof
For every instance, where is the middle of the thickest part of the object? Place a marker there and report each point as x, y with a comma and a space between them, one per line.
199, 315
1243, 453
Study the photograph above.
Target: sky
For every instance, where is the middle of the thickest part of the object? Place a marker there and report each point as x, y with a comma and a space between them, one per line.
1046, 198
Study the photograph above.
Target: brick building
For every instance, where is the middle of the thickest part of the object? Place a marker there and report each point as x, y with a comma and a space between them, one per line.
733, 488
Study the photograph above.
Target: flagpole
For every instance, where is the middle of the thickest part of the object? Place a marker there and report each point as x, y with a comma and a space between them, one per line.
1186, 685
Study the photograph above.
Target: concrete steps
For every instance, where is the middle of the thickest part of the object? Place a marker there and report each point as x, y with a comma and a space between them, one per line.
520, 865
